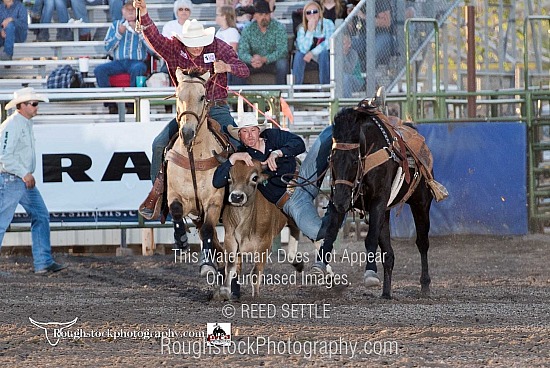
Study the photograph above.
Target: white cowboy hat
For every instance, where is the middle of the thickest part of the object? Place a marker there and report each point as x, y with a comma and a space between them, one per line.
246, 120
193, 34
25, 95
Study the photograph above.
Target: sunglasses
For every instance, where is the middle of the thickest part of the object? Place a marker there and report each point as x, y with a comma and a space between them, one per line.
34, 104
310, 12
184, 9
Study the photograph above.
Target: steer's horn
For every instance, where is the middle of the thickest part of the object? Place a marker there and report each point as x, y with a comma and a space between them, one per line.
221, 157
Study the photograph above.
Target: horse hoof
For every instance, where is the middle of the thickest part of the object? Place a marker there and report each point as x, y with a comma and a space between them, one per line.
235, 297
299, 266
207, 269
371, 278
223, 294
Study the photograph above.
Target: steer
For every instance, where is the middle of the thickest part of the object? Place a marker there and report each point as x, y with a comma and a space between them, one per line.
251, 223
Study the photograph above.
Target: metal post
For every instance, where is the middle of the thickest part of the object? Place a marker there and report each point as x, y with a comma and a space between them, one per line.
411, 110
471, 60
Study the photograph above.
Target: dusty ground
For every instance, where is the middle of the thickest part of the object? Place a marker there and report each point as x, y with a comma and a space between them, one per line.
490, 306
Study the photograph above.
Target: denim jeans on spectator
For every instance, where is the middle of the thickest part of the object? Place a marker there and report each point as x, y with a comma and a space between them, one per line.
299, 67
300, 206
13, 34
219, 113
132, 67
13, 192
80, 12
63, 34
279, 68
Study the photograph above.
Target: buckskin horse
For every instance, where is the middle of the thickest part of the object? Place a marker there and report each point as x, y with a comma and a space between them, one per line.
191, 165
377, 163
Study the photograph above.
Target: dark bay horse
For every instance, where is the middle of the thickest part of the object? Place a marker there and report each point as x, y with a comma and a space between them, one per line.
191, 165
365, 162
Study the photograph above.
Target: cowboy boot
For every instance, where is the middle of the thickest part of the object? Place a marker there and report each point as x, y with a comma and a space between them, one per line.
150, 208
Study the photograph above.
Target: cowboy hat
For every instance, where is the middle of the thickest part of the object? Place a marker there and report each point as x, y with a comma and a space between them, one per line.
25, 95
262, 7
193, 34
246, 120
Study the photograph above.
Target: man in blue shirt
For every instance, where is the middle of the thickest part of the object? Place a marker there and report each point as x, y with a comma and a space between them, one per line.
13, 26
128, 48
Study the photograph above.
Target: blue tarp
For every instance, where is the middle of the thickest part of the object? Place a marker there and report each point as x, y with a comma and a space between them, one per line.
483, 166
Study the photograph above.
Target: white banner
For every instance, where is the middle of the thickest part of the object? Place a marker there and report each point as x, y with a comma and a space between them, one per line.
94, 167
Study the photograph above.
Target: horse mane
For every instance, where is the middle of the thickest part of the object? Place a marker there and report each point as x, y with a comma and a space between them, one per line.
346, 127
194, 72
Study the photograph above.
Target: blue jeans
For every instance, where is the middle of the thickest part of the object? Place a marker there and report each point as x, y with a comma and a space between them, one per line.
64, 34
300, 206
219, 113
299, 67
133, 67
13, 192
80, 12
13, 34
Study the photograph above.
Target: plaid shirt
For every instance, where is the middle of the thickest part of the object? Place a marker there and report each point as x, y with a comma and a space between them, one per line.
175, 54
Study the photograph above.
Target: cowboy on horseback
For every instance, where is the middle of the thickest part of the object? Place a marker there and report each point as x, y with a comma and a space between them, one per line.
194, 47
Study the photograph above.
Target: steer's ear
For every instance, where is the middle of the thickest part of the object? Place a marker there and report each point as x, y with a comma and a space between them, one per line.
263, 178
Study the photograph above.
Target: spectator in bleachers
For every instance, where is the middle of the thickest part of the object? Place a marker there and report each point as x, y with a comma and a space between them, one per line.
263, 45
312, 43
333, 9
13, 26
384, 31
182, 11
128, 48
61, 7
244, 11
353, 81
228, 32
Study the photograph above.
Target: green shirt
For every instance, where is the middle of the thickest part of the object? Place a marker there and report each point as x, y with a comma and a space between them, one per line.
272, 44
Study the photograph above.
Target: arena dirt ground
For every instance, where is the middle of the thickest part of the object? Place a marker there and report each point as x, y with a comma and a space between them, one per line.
490, 306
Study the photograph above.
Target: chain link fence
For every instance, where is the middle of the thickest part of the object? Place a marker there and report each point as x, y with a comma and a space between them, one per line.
366, 55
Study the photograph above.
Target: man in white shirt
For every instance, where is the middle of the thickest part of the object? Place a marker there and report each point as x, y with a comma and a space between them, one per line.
17, 183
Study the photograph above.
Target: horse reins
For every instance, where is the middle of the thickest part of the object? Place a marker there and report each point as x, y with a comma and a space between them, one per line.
200, 121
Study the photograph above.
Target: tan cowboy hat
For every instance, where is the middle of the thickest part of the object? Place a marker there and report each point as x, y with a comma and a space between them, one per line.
246, 120
193, 34
25, 95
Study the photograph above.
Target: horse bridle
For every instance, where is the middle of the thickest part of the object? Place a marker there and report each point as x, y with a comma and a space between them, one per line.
359, 173
200, 118
362, 161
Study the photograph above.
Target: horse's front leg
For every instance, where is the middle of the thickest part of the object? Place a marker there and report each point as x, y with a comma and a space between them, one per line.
210, 243
180, 230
